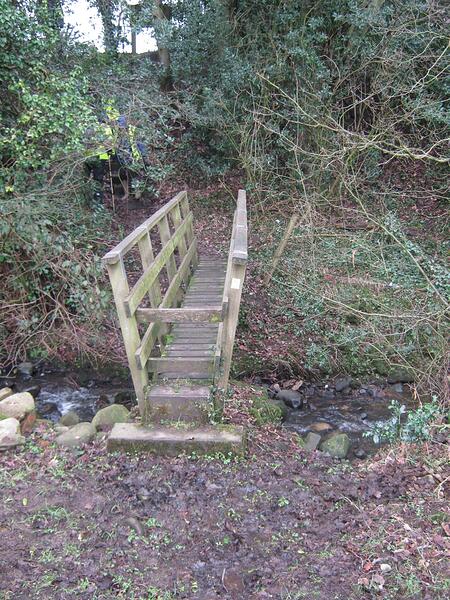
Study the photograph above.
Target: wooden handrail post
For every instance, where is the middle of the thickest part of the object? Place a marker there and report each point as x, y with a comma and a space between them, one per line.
184, 204
130, 332
237, 264
231, 321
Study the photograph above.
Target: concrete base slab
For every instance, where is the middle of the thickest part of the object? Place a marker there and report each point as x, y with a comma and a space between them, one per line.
171, 441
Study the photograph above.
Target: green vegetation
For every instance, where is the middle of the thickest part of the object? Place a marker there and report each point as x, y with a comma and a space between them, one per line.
415, 426
266, 411
335, 110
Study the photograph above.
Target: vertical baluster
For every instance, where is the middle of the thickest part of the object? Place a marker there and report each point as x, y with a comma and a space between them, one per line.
154, 292
184, 203
130, 332
164, 232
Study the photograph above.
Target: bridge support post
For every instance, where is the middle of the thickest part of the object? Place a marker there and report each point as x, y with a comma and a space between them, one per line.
237, 264
130, 332
230, 322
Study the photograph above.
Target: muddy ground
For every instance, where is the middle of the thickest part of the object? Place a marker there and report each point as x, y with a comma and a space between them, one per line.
280, 523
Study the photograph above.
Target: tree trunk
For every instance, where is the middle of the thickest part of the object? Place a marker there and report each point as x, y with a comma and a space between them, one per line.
106, 10
164, 56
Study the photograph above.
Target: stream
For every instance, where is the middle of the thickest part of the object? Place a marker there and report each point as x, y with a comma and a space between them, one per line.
84, 392
324, 407
353, 411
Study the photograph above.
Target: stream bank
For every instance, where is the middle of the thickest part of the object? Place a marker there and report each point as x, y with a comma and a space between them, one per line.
341, 406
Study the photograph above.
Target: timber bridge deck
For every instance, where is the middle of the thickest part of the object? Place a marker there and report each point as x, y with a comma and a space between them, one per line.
178, 321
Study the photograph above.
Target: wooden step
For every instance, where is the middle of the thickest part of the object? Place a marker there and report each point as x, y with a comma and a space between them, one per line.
171, 441
179, 403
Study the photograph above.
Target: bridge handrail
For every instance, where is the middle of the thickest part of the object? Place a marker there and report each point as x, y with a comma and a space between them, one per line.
135, 236
240, 251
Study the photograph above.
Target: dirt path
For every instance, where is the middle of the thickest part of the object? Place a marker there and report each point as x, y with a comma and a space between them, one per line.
281, 523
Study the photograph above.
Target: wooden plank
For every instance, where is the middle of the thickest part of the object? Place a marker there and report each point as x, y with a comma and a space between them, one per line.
197, 328
237, 261
132, 239
240, 250
193, 346
203, 377
210, 314
231, 320
199, 294
149, 276
195, 335
207, 337
181, 365
192, 353
218, 352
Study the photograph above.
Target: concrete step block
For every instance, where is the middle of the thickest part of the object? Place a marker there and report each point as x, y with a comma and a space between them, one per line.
172, 441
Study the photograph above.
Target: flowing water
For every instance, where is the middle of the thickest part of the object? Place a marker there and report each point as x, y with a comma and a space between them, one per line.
84, 392
324, 410
353, 412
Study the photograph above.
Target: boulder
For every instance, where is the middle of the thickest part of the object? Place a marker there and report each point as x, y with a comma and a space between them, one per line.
10, 434
312, 441
266, 410
110, 415
290, 398
69, 419
76, 436
25, 368
342, 383
5, 392
17, 406
61, 428
336, 445
400, 376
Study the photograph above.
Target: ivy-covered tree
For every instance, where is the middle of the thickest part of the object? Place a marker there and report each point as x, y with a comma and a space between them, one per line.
107, 10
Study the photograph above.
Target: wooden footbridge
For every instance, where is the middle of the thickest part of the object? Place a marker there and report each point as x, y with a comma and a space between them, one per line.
178, 319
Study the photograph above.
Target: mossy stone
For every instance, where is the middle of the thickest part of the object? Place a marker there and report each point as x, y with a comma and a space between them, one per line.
265, 410
336, 445
110, 415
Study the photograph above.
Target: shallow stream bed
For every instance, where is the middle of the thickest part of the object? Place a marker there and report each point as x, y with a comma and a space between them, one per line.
84, 392
352, 411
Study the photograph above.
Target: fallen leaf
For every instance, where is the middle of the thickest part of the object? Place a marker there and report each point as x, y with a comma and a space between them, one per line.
297, 385
367, 566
